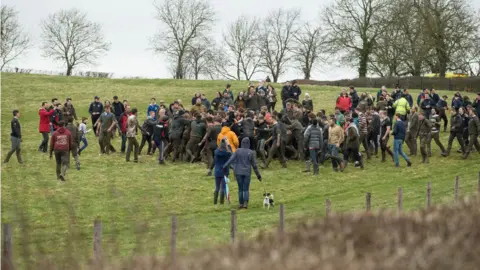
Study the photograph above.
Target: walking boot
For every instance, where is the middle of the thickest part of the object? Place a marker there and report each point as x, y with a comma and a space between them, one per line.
409, 163
361, 163
307, 166
215, 197
222, 197
447, 153
209, 172
245, 205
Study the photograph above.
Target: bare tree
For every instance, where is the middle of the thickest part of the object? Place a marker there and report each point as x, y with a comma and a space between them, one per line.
241, 39
69, 37
275, 41
14, 42
353, 27
308, 48
449, 24
184, 21
198, 57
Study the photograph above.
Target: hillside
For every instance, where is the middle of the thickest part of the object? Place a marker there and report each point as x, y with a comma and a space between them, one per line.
135, 201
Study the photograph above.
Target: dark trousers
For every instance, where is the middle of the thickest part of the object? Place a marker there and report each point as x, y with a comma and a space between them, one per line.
473, 142
243, 182
424, 139
192, 147
124, 142
280, 150
62, 159
74, 152
176, 145
94, 120
411, 141
436, 137
385, 148
44, 144
132, 145
452, 137
148, 140
444, 117
352, 152
219, 184
271, 106
161, 145
364, 142
105, 140
16, 146
334, 155
210, 157
374, 137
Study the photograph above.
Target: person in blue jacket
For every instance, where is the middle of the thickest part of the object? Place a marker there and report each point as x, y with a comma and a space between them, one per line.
222, 155
153, 107
243, 161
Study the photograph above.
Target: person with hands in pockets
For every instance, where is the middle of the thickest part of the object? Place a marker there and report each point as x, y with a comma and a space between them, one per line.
243, 160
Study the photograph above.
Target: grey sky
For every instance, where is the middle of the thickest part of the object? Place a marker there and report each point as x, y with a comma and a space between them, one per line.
128, 25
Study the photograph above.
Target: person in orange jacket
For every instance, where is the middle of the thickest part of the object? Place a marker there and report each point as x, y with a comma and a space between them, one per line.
230, 136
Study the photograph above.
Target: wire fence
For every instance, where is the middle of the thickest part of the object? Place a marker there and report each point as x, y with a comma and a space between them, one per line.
75, 247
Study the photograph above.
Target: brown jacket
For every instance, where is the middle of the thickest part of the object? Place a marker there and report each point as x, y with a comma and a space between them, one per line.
335, 135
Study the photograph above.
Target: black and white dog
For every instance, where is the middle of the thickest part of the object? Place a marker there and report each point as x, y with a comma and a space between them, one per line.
268, 200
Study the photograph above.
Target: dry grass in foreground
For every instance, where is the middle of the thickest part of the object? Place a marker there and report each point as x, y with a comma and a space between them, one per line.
439, 238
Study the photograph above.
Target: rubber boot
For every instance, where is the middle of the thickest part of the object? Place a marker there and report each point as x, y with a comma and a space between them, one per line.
222, 197
383, 156
307, 166
361, 163
215, 197
316, 170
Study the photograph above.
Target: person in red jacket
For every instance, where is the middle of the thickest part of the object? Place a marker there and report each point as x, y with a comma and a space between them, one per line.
123, 127
45, 112
61, 143
344, 103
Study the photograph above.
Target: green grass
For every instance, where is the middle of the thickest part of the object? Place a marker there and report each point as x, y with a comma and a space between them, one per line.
127, 194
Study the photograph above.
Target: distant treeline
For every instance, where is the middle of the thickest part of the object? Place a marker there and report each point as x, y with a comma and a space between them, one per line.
90, 74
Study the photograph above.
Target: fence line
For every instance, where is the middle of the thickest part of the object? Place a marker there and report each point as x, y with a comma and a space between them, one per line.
7, 252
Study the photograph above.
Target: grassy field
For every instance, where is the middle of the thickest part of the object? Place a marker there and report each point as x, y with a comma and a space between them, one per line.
135, 201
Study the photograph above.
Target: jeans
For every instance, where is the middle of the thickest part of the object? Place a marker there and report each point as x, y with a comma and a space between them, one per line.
161, 148
314, 156
124, 142
243, 187
333, 150
85, 144
397, 149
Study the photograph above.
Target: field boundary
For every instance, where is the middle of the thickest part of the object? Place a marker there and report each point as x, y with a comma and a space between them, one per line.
7, 241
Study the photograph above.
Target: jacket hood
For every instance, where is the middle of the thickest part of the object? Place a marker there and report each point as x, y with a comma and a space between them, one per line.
225, 129
61, 130
246, 143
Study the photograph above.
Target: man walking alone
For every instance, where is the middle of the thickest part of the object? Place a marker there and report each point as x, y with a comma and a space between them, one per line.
15, 137
61, 144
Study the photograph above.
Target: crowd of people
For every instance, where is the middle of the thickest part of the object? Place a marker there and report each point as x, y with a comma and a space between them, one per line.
235, 131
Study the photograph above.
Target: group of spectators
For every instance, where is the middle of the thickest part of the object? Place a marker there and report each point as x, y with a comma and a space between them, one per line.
234, 131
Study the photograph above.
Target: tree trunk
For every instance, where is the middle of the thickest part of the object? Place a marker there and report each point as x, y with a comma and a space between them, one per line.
417, 69
306, 73
362, 67
275, 77
69, 70
179, 69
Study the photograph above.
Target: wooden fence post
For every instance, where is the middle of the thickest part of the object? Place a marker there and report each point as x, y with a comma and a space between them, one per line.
429, 195
7, 256
233, 223
281, 228
368, 197
97, 240
478, 183
400, 199
328, 207
173, 240
457, 182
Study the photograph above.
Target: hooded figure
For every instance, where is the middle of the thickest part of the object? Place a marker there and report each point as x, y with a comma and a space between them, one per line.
222, 155
243, 161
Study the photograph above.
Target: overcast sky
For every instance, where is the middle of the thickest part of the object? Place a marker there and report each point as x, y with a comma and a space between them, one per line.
128, 25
